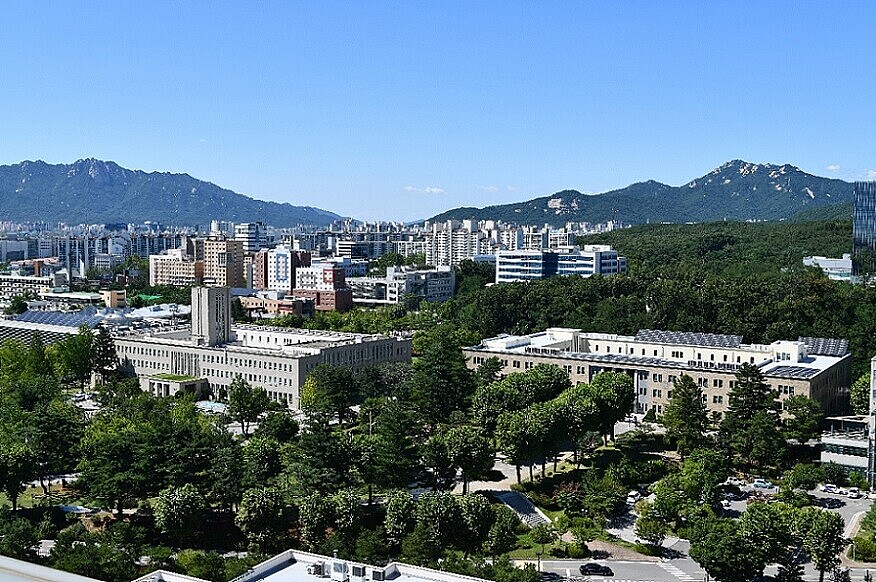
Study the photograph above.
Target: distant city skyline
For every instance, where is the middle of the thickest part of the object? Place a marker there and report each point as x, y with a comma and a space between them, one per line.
401, 111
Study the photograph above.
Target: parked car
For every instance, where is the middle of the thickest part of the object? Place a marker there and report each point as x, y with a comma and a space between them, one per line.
633, 497
594, 568
828, 488
854, 493
762, 484
842, 491
725, 504
735, 481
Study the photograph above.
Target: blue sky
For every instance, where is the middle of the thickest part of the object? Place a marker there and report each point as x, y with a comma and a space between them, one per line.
399, 110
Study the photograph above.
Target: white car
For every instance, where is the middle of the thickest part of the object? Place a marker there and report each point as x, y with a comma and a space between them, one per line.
735, 481
633, 497
842, 491
828, 488
854, 493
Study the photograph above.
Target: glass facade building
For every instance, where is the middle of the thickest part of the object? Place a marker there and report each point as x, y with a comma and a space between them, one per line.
864, 229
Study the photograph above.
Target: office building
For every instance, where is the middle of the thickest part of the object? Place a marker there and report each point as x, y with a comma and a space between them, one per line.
275, 359
864, 229
815, 367
528, 265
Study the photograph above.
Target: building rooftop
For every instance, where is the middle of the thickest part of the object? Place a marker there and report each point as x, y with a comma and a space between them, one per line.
17, 571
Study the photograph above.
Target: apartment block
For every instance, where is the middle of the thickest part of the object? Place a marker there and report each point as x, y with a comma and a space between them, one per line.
175, 268
223, 262
326, 285
433, 285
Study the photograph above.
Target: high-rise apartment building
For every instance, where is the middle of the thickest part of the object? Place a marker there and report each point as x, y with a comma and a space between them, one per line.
326, 286
281, 266
864, 229
223, 262
174, 267
253, 234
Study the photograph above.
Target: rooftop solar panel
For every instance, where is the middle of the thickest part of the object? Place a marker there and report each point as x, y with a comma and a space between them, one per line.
689, 338
792, 372
824, 346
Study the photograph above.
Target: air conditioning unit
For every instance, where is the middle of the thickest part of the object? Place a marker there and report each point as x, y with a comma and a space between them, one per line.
377, 575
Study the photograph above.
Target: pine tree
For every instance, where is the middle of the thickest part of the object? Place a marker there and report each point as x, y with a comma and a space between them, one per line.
686, 417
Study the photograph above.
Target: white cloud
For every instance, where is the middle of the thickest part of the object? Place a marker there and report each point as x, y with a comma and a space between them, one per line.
511, 188
488, 188
871, 174
425, 190
833, 168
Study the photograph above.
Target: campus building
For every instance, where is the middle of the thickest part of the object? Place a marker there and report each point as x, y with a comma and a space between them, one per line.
528, 265
850, 441
815, 367
275, 359
864, 228
433, 285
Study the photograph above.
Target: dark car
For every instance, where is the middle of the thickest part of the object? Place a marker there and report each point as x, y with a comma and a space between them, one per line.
594, 568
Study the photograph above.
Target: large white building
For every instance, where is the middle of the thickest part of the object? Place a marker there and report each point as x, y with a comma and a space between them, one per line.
815, 367
433, 285
275, 359
528, 265
253, 234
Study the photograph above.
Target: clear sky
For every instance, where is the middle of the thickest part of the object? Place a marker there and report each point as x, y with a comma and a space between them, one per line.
399, 110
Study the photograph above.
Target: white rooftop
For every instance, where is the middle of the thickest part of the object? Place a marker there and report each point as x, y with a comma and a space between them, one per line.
17, 571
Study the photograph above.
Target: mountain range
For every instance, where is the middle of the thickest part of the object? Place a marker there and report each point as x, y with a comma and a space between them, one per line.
92, 191
737, 190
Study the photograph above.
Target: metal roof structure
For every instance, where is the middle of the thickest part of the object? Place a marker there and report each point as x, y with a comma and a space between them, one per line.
712, 340
61, 319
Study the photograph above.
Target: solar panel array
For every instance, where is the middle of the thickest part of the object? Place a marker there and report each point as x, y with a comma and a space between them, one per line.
825, 346
711, 340
24, 335
74, 320
792, 372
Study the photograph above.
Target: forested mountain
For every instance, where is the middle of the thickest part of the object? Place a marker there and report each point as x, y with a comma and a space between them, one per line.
737, 190
92, 191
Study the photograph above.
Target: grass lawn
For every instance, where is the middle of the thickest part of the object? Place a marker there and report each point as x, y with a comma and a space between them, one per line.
34, 497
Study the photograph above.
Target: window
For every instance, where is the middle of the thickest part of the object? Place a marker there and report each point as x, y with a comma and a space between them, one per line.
516, 363
699, 356
717, 383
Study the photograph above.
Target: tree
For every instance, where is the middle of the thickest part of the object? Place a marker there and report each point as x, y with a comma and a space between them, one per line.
614, 396
502, 537
491, 400
477, 520
226, 475
439, 513
489, 371
261, 460
822, 533
722, 551
322, 458
686, 418
650, 527
514, 439
329, 389
859, 394
803, 420
280, 426
245, 403
399, 520
17, 537
441, 383
115, 463
315, 513
752, 418
104, 360
260, 517
542, 534
76, 357
58, 427
347, 511
764, 523
179, 512
470, 451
